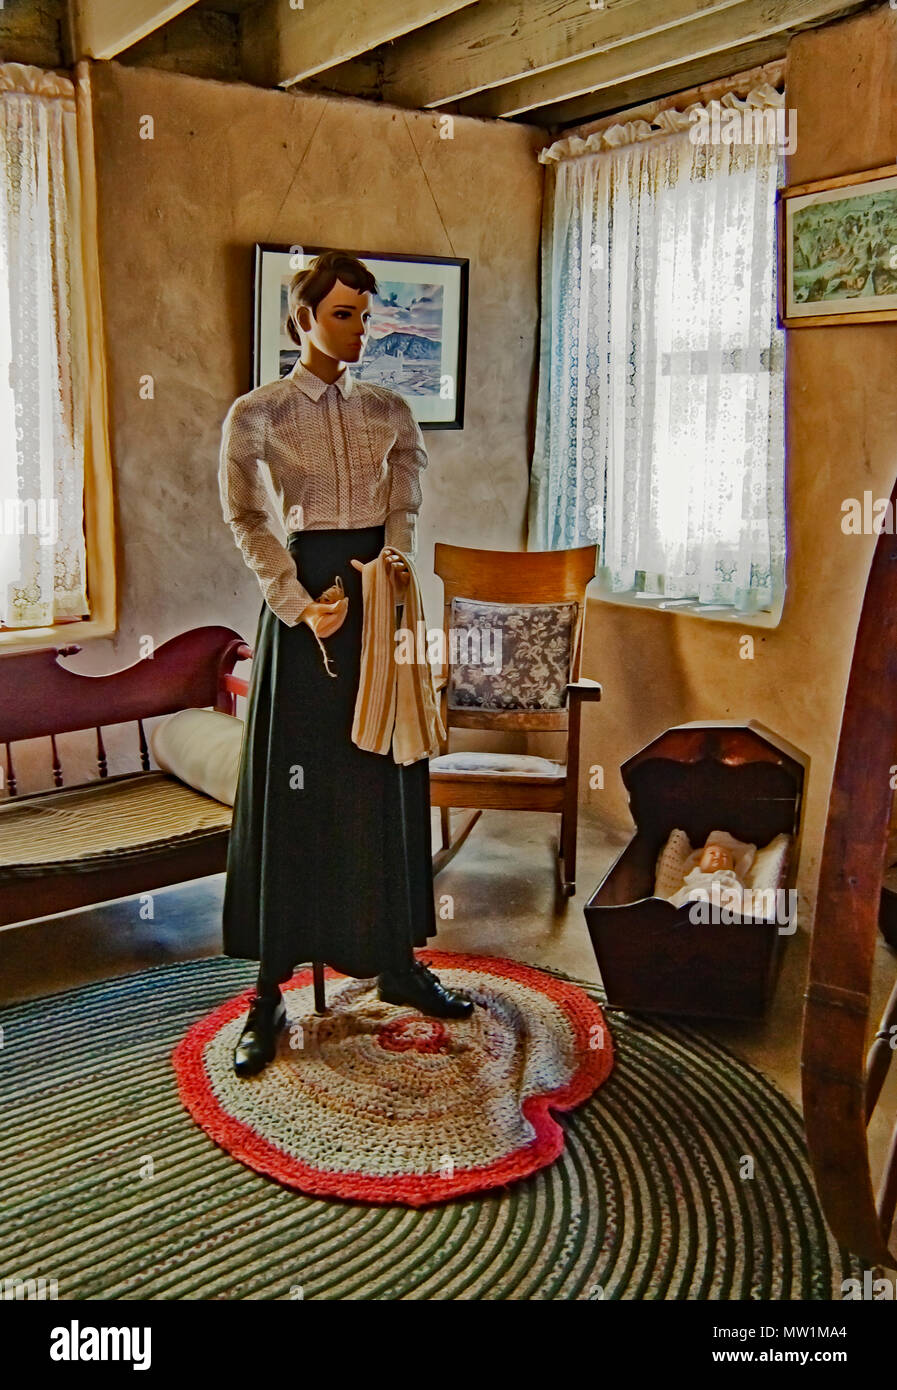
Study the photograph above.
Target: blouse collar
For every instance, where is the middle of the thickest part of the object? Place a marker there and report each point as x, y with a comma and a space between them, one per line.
314, 387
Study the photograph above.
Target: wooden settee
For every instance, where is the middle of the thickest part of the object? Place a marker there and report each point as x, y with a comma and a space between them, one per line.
115, 836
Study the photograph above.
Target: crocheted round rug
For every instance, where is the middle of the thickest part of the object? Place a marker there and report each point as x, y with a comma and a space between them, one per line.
379, 1103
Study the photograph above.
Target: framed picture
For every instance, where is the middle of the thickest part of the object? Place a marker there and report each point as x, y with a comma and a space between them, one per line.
838, 250
417, 344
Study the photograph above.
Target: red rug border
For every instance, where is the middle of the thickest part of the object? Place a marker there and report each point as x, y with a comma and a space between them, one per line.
242, 1142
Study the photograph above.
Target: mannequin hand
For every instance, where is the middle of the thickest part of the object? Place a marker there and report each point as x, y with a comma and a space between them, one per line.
399, 571
325, 618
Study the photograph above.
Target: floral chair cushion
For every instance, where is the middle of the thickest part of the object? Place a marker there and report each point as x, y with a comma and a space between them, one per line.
510, 656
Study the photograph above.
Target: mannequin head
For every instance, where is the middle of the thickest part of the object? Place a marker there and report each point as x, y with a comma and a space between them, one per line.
330, 307
715, 858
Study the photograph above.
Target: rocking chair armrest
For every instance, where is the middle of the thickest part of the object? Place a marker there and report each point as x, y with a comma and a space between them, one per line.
584, 689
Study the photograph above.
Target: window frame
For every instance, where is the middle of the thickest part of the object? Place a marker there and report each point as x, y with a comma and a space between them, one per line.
99, 505
694, 608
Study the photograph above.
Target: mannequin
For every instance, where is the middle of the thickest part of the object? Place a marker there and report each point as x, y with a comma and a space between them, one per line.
330, 856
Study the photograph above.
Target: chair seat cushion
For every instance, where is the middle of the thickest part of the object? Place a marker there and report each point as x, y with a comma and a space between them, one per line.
479, 764
88, 826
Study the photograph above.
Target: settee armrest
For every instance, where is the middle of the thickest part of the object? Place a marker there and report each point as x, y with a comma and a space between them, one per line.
40, 698
235, 685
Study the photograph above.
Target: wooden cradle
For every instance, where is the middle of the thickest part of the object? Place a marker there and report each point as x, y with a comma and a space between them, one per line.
655, 957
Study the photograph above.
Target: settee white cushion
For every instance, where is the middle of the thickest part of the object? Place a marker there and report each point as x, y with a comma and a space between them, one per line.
478, 763
202, 748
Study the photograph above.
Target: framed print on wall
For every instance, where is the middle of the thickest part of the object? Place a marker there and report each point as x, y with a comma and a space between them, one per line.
838, 250
418, 335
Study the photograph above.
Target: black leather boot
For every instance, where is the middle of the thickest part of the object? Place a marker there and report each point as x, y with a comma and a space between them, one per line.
424, 991
258, 1041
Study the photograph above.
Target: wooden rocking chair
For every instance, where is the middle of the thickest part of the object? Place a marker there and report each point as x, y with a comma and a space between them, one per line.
841, 1082
535, 600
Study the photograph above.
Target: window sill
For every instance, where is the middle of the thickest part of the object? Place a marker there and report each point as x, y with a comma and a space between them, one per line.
63, 635
689, 608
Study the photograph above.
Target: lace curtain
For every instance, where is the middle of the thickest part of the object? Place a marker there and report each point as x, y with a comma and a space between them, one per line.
659, 421
42, 353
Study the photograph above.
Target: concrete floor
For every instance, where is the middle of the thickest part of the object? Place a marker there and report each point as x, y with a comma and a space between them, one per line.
496, 897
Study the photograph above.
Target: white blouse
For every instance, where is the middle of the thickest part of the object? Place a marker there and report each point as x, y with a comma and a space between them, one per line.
337, 455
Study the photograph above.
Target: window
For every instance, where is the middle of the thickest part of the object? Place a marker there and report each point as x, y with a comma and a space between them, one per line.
659, 430
45, 387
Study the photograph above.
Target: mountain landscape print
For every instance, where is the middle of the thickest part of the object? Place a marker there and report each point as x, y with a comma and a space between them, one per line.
416, 342
405, 342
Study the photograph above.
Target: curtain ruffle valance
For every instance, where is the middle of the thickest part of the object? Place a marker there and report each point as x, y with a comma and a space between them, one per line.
666, 122
24, 80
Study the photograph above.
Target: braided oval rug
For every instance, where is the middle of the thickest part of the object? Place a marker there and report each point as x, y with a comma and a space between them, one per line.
683, 1176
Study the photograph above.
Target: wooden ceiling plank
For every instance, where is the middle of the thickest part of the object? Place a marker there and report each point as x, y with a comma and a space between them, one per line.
105, 28
696, 73
708, 34
282, 46
505, 40
497, 42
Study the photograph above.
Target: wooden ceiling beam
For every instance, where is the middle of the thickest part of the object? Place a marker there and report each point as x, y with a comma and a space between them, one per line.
707, 35
105, 28
282, 46
508, 39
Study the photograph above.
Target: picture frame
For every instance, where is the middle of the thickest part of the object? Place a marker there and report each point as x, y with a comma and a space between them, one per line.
418, 339
837, 245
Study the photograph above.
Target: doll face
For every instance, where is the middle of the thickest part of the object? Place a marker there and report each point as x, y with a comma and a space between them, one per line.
341, 324
715, 858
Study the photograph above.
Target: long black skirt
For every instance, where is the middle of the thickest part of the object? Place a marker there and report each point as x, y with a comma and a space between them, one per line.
330, 853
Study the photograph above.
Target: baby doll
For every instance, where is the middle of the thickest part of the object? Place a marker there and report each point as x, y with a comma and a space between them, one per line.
722, 861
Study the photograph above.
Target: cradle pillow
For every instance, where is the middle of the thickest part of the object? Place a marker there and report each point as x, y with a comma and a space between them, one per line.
768, 869
671, 864
527, 667
202, 748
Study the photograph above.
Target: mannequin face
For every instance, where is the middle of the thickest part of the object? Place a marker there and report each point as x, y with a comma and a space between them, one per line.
340, 327
714, 858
